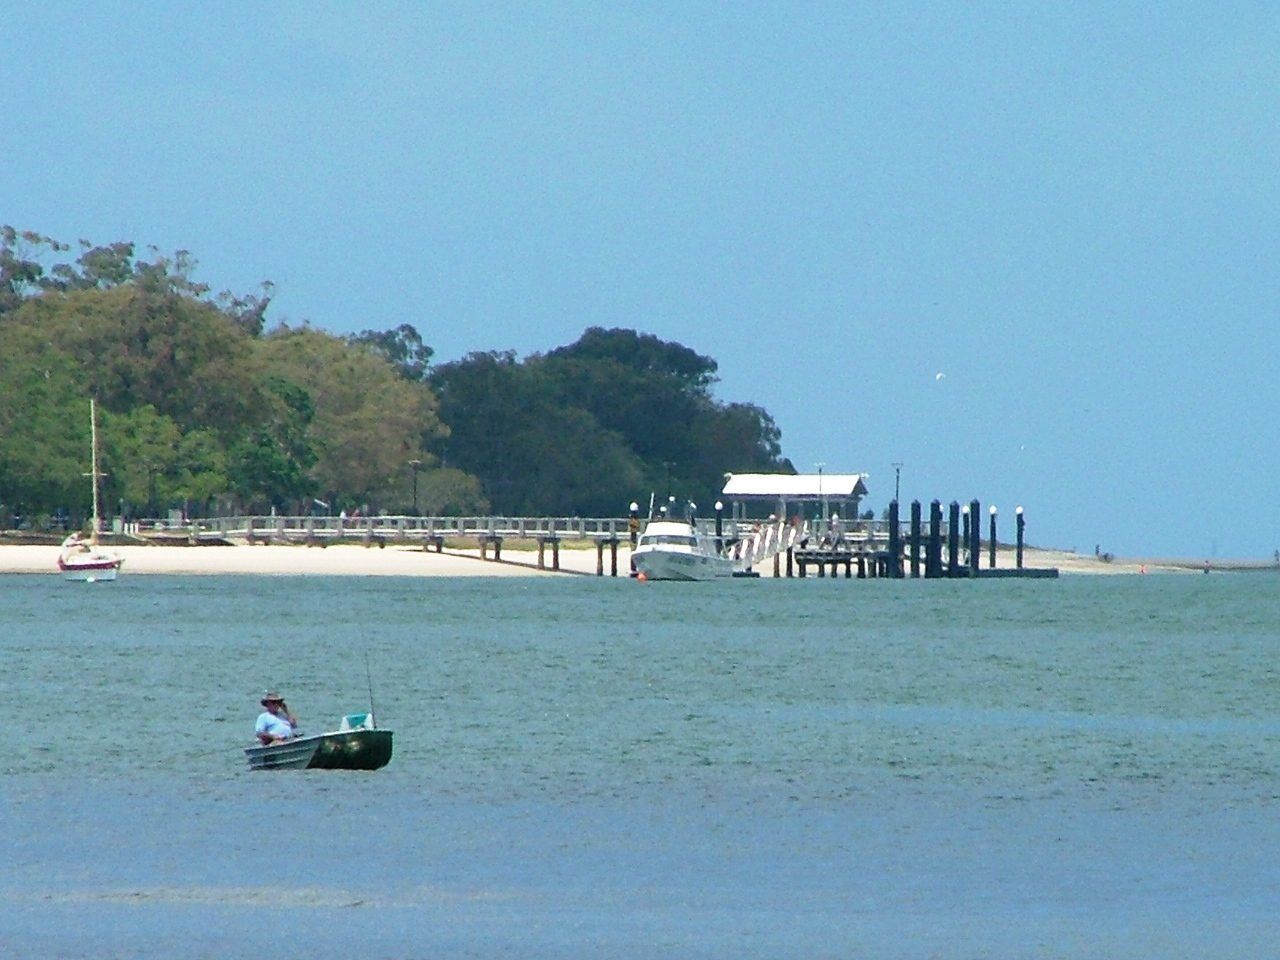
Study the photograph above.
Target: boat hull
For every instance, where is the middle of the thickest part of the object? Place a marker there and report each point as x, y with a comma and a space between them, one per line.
90, 569
341, 750
675, 565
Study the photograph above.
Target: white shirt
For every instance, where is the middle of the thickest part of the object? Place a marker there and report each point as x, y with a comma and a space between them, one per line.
271, 724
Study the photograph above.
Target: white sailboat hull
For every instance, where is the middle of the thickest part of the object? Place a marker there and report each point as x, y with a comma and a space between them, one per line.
83, 559
90, 567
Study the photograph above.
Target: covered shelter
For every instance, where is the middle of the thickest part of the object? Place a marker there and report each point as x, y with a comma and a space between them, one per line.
789, 493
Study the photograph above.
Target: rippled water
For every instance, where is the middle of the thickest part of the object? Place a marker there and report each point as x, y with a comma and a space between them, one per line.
1077, 768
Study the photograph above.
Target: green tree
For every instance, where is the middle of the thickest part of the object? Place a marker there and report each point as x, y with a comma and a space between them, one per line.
152, 466
402, 348
369, 421
44, 426
446, 491
533, 453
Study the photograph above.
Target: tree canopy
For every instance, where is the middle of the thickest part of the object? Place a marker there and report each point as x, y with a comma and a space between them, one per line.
203, 408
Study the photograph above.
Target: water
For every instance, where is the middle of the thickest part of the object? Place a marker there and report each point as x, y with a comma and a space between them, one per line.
596, 768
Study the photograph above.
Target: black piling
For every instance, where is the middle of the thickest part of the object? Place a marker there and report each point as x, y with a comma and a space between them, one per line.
953, 539
974, 545
992, 545
1022, 525
915, 539
933, 561
895, 541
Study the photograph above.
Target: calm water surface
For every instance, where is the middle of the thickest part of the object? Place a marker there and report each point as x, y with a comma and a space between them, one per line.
595, 768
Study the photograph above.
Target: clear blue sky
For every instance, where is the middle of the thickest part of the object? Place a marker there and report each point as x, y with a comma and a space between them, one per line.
1069, 211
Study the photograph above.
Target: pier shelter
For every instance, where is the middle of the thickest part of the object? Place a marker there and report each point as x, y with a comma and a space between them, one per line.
788, 494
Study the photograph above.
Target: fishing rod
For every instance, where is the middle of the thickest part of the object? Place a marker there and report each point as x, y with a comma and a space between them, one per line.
373, 714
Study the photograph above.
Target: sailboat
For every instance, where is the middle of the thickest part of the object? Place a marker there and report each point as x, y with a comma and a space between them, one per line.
83, 558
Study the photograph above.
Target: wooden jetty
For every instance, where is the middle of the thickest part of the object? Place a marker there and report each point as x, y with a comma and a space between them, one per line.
862, 549
951, 548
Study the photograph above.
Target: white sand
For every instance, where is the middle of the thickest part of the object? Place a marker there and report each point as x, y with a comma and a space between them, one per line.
335, 560
407, 561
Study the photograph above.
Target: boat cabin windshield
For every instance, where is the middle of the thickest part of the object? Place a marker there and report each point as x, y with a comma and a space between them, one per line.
649, 539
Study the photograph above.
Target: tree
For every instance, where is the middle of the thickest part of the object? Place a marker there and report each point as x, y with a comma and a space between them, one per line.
645, 354
402, 348
449, 492
533, 453
368, 421
44, 425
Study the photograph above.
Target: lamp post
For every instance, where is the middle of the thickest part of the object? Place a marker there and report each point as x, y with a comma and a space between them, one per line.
822, 501
416, 465
897, 478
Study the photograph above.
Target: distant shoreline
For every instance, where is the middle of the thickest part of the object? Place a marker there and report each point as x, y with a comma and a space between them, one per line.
349, 559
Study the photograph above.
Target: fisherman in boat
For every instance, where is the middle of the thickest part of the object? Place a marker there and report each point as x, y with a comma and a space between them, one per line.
275, 724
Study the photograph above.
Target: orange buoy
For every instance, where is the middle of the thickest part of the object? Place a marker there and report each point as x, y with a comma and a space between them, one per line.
641, 577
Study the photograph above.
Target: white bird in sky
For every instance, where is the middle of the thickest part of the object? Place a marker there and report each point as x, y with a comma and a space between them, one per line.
939, 375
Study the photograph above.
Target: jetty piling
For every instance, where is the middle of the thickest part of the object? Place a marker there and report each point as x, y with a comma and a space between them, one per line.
953, 539
974, 545
915, 539
1021, 524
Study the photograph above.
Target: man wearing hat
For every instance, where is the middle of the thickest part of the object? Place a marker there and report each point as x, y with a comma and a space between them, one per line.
275, 724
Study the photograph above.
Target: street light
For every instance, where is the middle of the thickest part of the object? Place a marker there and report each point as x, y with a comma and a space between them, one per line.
416, 464
897, 478
822, 503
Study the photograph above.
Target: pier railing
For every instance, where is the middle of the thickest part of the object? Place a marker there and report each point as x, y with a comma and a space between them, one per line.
382, 528
853, 533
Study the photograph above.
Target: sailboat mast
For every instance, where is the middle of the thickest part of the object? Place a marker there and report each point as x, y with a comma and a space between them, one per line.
93, 444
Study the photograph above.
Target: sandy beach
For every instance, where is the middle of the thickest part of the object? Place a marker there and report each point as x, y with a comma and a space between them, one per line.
411, 561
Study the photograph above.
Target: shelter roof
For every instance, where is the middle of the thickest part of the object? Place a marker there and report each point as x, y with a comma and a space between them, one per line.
794, 486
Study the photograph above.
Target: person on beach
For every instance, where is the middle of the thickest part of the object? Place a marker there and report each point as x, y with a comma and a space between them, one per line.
275, 724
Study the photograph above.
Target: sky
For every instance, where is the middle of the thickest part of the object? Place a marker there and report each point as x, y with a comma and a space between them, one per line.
1027, 251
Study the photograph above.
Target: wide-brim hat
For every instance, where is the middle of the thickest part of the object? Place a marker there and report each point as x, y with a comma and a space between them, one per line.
271, 697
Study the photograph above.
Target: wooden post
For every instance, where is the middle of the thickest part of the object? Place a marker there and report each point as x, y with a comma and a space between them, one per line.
862, 567
953, 540
915, 539
992, 545
497, 549
777, 565
613, 556
790, 560
555, 553
599, 558
895, 540
975, 536
933, 562
542, 546
633, 533
1022, 526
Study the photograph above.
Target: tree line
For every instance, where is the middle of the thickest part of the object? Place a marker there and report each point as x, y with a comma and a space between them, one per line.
204, 408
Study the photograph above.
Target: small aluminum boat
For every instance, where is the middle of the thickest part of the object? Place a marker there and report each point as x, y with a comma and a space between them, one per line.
355, 745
